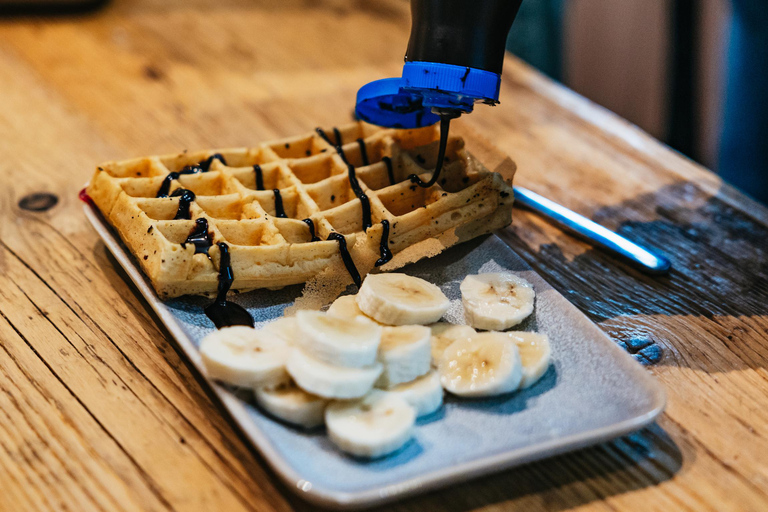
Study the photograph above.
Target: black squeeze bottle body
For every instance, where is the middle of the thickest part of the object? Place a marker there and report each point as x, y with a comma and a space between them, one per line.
471, 33
467, 33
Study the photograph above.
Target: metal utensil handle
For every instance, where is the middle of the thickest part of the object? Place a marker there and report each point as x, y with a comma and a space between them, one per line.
640, 257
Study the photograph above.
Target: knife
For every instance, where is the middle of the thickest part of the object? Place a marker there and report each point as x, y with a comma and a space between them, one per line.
637, 256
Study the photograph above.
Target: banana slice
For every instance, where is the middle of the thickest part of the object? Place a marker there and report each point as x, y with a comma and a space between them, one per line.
244, 356
292, 404
495, 302
425, 394
405, 353
346, 307
350, 342
329, 381
443, 334
285, 328
488, 364
400, 299
375, 426
535, 355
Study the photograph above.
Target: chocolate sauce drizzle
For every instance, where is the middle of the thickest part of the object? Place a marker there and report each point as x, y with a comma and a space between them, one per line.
384, 252
185, 200
343, 155
193, 169
222, 312
445, 123
200, 236
363, 152
365, 203
279, 210
165, 186
206, 164
259, 177
390, 172
311, 226
324, 136
346, 257
337, 145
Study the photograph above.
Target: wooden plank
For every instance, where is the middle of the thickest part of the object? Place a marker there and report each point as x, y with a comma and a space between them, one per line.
47, 439
109, 388
99, 412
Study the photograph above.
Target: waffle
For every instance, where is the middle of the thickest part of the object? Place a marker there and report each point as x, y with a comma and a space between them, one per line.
266, 203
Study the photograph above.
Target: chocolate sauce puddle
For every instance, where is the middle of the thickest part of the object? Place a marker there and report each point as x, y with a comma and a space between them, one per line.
279, 210
311, 226
384, 252
346, 257
259, 177
222, 312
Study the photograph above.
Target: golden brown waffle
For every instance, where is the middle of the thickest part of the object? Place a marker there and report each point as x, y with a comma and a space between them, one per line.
234, 195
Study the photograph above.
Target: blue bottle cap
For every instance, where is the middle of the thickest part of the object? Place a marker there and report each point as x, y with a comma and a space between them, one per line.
408, 102
450, 86
384, 103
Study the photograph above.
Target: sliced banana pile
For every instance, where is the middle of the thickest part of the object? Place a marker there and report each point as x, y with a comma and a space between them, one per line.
374, 362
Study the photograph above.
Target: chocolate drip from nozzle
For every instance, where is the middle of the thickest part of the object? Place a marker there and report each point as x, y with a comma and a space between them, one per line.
445, 123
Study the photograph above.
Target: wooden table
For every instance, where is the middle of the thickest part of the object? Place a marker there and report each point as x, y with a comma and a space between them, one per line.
98, 411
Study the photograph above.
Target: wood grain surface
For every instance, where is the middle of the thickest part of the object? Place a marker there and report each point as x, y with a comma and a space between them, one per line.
98, 411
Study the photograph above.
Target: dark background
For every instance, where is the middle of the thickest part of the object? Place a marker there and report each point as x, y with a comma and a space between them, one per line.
693, 73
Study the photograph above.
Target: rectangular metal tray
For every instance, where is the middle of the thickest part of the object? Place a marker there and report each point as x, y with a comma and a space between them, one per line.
593, 392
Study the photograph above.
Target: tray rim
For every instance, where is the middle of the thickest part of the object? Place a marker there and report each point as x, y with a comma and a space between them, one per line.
342, 500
